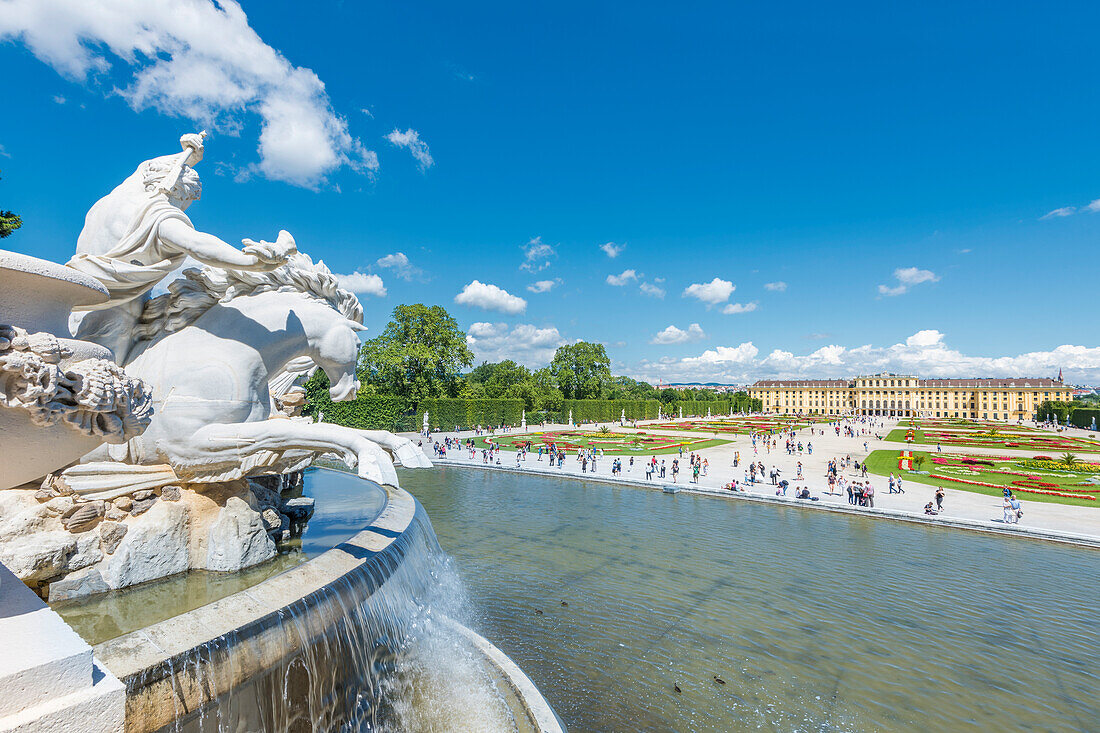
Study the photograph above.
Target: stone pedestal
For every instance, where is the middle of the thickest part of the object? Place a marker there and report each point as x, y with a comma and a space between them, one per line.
49, 680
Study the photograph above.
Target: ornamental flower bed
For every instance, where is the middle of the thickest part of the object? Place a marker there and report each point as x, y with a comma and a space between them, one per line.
1007, 439
1025, 489
1048, 479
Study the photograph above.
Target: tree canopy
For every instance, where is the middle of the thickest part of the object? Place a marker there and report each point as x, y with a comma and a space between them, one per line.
419, 355
583, 370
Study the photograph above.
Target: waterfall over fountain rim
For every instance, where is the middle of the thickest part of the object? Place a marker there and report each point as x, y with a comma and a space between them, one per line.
181, 667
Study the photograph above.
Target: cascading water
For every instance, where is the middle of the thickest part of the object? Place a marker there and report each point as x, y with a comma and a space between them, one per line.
377, 653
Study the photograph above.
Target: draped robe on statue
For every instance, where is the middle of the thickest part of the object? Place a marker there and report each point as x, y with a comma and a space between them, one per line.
121, 246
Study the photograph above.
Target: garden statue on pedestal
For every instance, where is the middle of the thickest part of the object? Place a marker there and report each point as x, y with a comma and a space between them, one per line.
523, 421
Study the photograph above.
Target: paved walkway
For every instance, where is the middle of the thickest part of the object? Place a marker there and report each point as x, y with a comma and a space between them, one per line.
967, 508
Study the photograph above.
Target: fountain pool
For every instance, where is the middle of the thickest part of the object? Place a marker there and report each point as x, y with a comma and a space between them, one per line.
344, 505
812, 620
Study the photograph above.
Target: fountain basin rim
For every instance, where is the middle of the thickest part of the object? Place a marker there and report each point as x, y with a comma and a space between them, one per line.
536, 708
147, 659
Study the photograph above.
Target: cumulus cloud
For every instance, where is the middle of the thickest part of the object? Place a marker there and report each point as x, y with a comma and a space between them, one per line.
401, 266
201, 61
925, 353
907, 277
622, 279
491, 298
523, 343
778, 286
712, 293
536, 255
674, 335
735, 308
362, 283
544, 286
653, 291
410, 139
612, 250
1093, 206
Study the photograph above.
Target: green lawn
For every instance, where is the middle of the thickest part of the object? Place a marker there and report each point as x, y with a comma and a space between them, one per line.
884, 462
1005, 437
612, 443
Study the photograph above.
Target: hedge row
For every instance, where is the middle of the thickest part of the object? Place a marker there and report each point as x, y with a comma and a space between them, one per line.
384, 412
607, 410
1083, 417
367, 412
445, 414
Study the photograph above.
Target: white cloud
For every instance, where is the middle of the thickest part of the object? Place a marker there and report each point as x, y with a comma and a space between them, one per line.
915, 276
201, 61
674, 335
612, 250
59, 99
362, 283
401, 266
524, 343
712, 293
418, 148
653, 291
543, 286
735, 308
1058, 213
536, 255
907, 277
925, 353
1093, 206
622, 279
484, 295
778, 287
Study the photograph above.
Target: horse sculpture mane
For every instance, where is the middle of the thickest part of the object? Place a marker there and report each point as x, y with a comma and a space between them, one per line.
201, 289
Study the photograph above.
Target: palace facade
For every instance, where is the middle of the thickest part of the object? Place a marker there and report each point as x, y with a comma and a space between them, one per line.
902, 395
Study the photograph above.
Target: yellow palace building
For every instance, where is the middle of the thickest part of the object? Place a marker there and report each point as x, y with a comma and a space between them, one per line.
902, 395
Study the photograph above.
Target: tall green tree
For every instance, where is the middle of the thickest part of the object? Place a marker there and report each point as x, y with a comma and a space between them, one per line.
499, 378
582, 370
9, 222
420, 355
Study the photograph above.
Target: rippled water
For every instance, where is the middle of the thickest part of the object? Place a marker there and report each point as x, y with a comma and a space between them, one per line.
814, 621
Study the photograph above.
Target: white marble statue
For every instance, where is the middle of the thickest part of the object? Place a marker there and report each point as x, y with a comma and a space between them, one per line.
523, 421
138, 233
208, 349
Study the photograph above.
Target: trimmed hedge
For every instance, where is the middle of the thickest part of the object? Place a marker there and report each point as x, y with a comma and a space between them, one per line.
1049, 408
607, 410
365, 412
1082, 417
445, 413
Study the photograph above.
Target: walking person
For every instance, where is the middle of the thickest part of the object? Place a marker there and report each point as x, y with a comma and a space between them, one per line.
940, 493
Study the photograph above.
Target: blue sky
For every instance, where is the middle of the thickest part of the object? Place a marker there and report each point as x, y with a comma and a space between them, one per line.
886, 169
